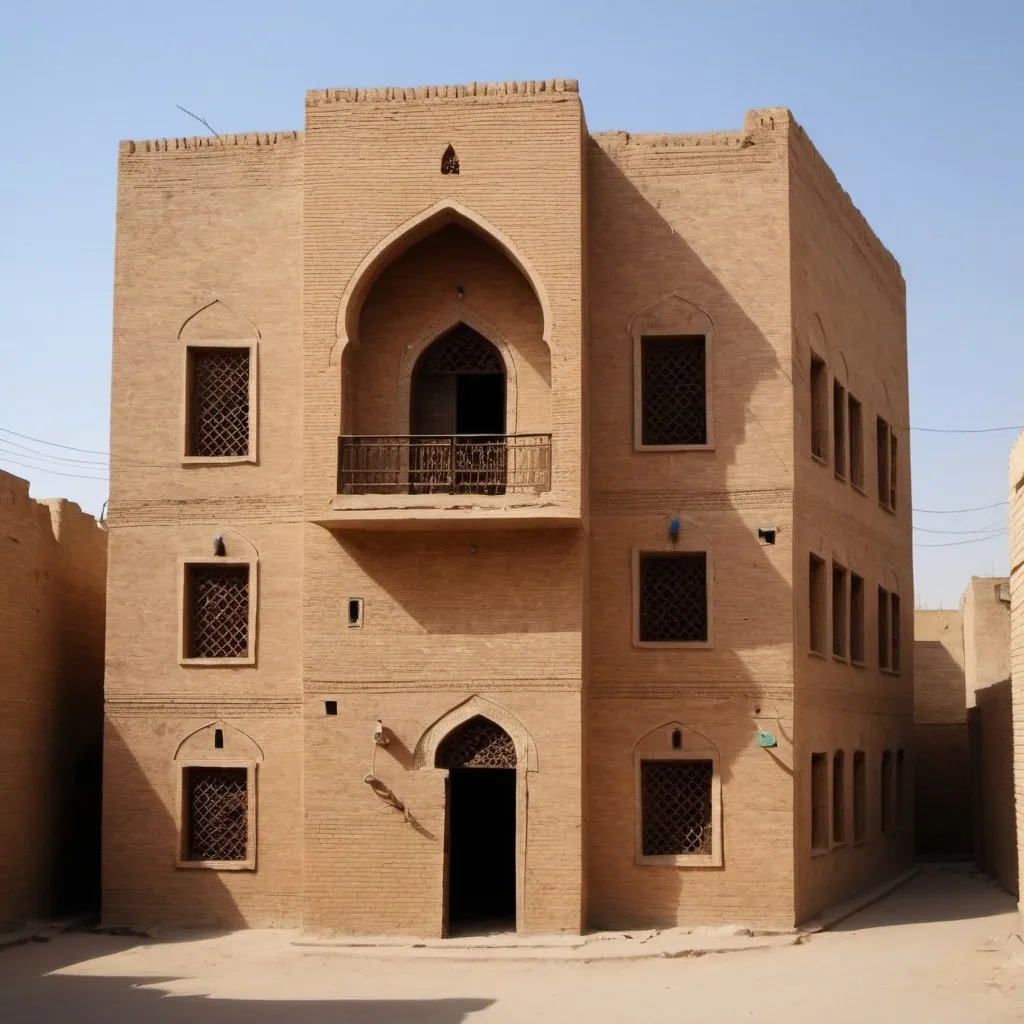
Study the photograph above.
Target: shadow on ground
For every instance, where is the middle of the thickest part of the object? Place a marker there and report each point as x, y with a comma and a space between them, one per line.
938, 893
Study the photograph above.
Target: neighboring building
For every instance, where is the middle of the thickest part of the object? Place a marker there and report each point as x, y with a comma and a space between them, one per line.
943, 794
572, 477
53, 563
1017, 636
963, 784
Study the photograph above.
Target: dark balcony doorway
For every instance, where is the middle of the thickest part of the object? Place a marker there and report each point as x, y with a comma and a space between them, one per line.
480, 837
458, 398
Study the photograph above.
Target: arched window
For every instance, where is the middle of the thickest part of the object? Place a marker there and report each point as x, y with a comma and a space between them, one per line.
477, 743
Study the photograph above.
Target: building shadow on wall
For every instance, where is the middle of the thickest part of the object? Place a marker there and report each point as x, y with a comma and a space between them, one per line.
637, 260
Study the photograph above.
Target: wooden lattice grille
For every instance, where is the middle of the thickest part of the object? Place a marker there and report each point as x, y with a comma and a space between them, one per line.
219, 402
674, 397
461, 350
218, 607
676, 807
673, 598
217, 813
478, 743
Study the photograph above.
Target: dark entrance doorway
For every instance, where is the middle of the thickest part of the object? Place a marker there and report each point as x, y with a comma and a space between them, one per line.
480, 837
457, 416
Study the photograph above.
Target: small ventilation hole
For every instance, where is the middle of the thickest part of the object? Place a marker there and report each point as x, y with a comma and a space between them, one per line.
449, 162
355, 612
677, 739
218, 738
330, 707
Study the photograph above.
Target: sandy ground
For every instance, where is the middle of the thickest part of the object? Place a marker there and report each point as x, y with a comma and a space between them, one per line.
940, 950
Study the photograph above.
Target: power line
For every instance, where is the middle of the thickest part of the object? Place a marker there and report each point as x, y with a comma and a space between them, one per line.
955, 511
961, 430
55, 472
957, 543
980, 529
53, 444
35, 453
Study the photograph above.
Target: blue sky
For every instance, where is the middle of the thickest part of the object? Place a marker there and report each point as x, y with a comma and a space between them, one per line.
915, 105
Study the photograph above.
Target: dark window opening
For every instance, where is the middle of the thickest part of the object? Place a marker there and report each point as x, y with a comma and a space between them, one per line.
838, 611
449, 162
817, 601
218, 402
819, 408
885, 790
677, 739
883, 628
216, 814
217, 611
674, 598
859, 796
856, 446
900, 790
838, 797
819, 801
676, 807
355, 611
856, 618
673, 390
218, 739
330, 707
894, 607
839, 428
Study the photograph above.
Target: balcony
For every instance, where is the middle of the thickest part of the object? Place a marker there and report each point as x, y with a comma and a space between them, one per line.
454, 480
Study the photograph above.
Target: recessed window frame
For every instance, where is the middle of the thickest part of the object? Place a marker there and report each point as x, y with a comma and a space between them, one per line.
657, 746
181, 858
886, 463
838, 799
819, 411
855, 441
638, 392
709, 595
841, 606
859, 780
857, 620
183, 610
820, 804
840, 451
817, 620
186, 405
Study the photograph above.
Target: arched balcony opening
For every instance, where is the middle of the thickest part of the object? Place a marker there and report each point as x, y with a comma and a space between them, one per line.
447, 376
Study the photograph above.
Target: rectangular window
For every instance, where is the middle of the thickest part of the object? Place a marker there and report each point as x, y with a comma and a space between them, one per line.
855, 420
676, 807
885, 790
673, 381
839, 428
673, 597
838, 611
900, 790
856, 618
838, 797
893, 467
819, 801
819, 408
883, 628
216, 813
217, 402
817, 600
860, 793
216, 611
894, 632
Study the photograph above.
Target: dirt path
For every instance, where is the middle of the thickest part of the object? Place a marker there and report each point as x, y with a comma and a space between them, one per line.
937, 950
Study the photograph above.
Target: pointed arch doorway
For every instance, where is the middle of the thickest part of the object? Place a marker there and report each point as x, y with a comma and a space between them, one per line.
480, 828
458, 414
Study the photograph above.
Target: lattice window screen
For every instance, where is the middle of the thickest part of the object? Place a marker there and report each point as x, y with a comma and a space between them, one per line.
673, 395
673, 597
461, 350
218, 813
478, 743
218, 611
219, 402
676, 807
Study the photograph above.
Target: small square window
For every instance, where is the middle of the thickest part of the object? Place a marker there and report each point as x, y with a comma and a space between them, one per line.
673, 597
216, 611
218, 402
216, 814
676, 807
673, 382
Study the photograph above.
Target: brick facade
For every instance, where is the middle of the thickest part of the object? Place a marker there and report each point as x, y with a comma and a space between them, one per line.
339, 255
51, 695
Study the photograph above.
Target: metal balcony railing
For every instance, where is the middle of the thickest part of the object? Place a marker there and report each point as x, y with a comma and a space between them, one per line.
444, 464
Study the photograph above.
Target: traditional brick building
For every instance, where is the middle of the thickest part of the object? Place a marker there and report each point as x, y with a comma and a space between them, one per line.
509, 525
53, 560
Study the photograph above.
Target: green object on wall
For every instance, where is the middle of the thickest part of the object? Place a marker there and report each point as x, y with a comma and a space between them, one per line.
766, 739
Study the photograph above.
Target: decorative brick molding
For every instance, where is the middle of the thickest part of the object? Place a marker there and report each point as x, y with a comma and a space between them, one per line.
426, 746
471, 90
133, 147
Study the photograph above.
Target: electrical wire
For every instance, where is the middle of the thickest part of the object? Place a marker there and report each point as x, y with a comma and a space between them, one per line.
55, 472
956, 511
957, 543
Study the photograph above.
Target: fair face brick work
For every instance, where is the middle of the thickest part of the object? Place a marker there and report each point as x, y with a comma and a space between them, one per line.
51, 698
340, 254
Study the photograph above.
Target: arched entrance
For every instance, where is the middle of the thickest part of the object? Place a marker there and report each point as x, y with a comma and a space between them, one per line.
457, 414
480, 833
